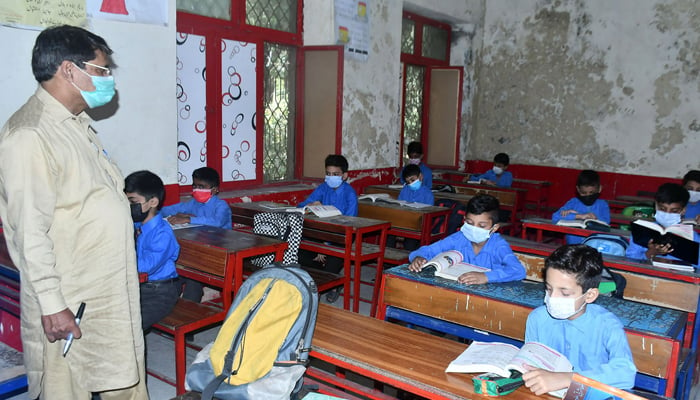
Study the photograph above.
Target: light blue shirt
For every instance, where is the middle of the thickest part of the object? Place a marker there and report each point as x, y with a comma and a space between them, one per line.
692, 210
422, 195
427, 176
504, 181
344, 198
495, 255
215, 212
600, 208
156, 249
595, 343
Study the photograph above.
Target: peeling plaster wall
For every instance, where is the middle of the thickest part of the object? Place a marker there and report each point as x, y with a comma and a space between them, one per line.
612, 86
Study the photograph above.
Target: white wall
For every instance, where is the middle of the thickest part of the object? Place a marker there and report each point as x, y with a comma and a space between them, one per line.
142, 133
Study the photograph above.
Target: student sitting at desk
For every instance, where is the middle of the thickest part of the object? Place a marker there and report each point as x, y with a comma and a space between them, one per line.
586, 204
335, 191
414, 191
415, 157
691, 181
156, 247
670, 202
591, 337
205, 208
480, 245
496, 176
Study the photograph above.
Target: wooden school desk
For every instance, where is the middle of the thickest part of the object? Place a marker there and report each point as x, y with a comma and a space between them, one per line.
407, 359
541, 225
480, 312
214, 256
394, 191
621, 202
350, 232
407, 222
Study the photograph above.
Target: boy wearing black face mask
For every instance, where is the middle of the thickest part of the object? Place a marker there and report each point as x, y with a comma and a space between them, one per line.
586, 204
156, 247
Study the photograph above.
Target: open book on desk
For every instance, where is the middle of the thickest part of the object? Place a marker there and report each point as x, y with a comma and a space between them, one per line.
449, 265
679, 265
386, 197
319, 211
502, 358
680, 237
592, 224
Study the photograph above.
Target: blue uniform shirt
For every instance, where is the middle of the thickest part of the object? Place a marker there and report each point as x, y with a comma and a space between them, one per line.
595, 343
422, 195
504, 181
692, 210
156, 249
600, 208
427, 176
344, 198
495, 255
215, 212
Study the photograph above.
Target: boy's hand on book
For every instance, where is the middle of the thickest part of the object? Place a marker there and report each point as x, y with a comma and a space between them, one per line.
417, 264
589, 215
657, 249
541, 381
179, 219
567, 212
473, 278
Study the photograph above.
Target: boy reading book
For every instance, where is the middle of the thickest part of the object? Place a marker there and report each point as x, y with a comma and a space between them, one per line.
586, 204
590, 336
498, 175
670, 202
415, 157
480, 245
450, 265
691, 181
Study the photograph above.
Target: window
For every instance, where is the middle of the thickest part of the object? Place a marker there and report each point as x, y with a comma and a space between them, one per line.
424, 43
236, 70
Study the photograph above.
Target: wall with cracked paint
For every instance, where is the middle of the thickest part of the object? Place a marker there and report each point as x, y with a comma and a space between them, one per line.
612, 86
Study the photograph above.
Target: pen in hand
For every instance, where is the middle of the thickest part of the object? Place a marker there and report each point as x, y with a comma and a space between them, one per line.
69, 339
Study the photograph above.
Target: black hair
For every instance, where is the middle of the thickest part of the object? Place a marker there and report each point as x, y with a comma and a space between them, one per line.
146, 184
64, 43
580, 260
669, 193
207, 175
692, 175
588, 177
501, 158
410, 170
415, 147
484, 203
337, 160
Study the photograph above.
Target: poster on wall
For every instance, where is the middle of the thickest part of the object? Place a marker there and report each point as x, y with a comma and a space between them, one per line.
352, 27
146, 12
39, 14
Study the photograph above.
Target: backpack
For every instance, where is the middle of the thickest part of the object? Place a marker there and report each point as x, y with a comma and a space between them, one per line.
286, 226
455, 219
262, 349
612, 283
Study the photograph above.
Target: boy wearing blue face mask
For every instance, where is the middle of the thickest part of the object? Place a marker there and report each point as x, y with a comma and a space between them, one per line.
497, 176
586, 204
591, 337
670, 202
415, 157
335, 190
414, 190
480, 245
691, 181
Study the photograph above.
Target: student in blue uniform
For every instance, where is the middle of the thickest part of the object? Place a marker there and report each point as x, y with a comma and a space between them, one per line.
156, 247
335, 190
591, 337
670, 202
479, 244
205, 208
498, 175
691, 181
414, 190
415, 157
586, 204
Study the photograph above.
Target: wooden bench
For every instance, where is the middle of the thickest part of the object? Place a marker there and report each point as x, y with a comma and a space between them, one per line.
404, 358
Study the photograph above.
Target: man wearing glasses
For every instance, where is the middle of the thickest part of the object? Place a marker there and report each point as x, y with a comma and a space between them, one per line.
68, 229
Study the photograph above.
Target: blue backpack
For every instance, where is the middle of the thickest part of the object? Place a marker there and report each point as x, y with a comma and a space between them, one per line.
606, 243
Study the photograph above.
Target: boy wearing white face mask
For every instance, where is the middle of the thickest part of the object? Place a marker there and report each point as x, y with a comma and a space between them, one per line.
480, 245
414, 191
691, 181
590, 336
415, 157
670, 200
498, 175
